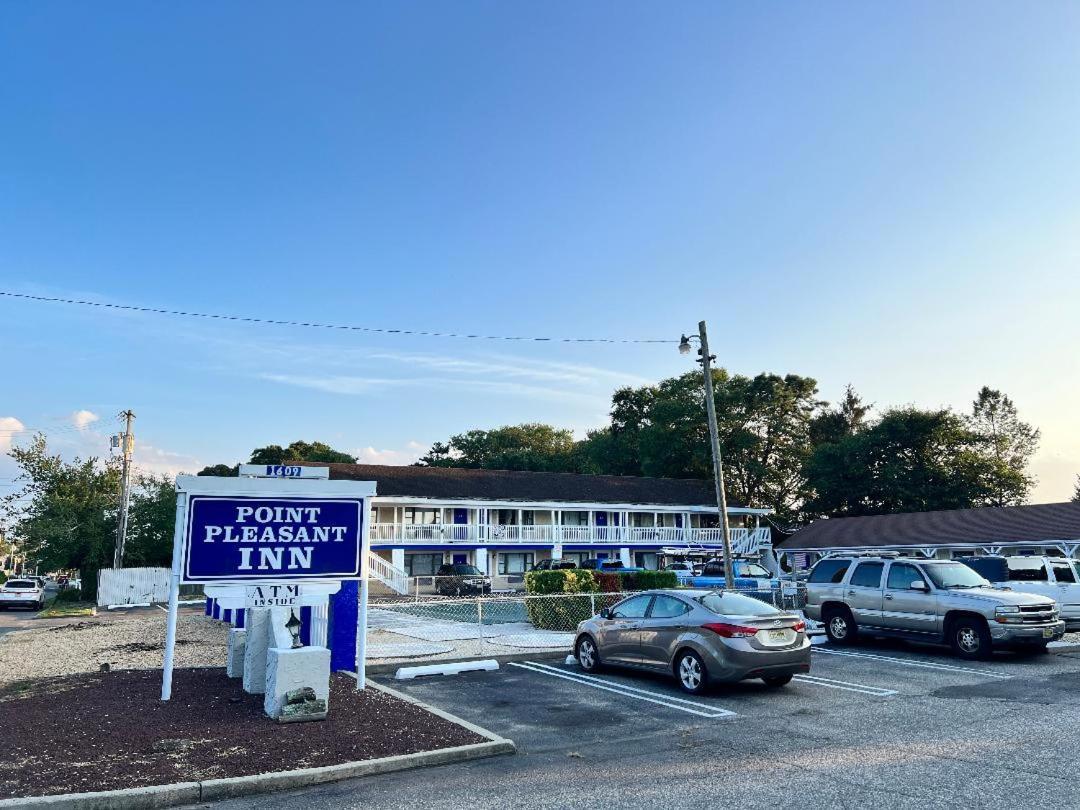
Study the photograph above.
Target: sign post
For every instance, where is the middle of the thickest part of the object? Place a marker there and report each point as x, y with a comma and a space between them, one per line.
268, 538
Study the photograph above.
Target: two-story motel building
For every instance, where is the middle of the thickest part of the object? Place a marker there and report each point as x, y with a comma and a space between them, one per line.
504, 522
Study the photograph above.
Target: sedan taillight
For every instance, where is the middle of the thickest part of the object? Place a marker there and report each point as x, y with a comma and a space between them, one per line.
730, 630
798, 627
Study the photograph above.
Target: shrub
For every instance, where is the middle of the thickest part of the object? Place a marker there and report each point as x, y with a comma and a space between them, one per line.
648, 580
559, 613
69, 595
610, 581
572, 580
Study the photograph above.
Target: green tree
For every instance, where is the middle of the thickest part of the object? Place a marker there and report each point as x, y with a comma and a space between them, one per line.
908, 461
837, 423
1007, 444
531, 446
299, 452
1076, 490
65, 514
221, 470
151, 522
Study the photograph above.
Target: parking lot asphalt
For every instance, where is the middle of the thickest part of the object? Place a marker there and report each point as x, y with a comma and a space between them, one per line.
888, 724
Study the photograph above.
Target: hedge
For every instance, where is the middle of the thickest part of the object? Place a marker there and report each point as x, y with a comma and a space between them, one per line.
572, 580
564, 614
69, 595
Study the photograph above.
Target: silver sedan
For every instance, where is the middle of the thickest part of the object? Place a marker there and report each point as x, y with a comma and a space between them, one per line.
698, 636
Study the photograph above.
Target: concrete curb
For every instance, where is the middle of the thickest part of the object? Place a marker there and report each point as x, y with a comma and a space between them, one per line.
394, 665
213, 789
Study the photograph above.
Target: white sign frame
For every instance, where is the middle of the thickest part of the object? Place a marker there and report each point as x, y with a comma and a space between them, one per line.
188, 485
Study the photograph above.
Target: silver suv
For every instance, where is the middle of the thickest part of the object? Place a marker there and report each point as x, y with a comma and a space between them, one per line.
932, 600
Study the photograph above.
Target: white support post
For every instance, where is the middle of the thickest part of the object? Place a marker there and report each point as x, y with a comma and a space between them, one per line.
624, 555
397, 558
480, 620
361, 636
482, 560
174, 596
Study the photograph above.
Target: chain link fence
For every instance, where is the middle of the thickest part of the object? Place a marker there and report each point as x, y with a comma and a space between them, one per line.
431, 627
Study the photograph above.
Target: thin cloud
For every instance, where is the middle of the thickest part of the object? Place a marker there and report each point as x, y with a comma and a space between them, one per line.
82, 419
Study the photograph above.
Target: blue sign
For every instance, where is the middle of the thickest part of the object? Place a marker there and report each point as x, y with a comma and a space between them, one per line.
265, 538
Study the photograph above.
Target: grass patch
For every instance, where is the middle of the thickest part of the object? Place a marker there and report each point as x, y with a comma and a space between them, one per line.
57, 609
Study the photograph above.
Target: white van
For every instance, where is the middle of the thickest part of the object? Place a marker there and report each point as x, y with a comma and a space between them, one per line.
1056, 577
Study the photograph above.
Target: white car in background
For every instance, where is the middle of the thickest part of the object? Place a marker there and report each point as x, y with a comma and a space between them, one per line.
22, 592
1056, 577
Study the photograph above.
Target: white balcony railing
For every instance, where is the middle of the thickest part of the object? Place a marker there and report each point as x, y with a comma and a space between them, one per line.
743, 541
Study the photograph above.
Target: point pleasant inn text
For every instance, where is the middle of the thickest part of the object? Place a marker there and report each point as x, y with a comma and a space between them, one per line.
238, 538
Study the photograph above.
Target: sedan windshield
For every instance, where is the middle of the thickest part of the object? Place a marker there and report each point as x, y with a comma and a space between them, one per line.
735, 604
954, 575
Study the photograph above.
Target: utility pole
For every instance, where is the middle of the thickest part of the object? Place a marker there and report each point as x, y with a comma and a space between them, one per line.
127, 445
718, 465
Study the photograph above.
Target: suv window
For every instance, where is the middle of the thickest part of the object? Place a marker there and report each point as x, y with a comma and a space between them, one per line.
21, 584
867, 575
829, 571
1027, 569
1063, 571
633, 608
712, 570
901, 575
667, 607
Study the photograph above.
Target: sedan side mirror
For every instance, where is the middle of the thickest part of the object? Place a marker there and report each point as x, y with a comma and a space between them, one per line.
605, 613
918, 585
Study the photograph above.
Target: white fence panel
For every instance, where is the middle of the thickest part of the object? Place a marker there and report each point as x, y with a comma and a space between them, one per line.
132, 586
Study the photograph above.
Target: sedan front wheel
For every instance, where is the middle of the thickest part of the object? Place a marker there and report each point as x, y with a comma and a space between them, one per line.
587, 655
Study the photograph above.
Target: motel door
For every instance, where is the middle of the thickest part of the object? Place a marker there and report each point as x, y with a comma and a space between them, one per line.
461, 559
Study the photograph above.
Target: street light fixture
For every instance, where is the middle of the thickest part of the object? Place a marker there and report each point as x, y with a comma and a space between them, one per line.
705, 359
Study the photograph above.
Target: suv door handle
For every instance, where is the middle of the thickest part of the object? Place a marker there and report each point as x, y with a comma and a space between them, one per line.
888, 596
852, 593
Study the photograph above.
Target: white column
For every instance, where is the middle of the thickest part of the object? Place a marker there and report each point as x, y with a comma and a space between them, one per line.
624, 555
482, 560
556, 551
397, 558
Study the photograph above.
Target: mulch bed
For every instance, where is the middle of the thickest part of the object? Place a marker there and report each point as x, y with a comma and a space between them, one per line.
106, 731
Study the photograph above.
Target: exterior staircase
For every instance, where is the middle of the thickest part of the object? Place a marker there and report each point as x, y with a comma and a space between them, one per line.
385, 577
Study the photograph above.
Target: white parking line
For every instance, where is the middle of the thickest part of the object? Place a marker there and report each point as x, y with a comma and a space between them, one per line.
659, 698
845, 686
910, 663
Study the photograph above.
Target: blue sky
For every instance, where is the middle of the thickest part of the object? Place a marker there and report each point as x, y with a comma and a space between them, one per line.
881, 194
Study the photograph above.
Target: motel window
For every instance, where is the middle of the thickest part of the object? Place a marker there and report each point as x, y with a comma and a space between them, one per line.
577, 557
515, 563
648, 560
575, 518
415, 516
422, 565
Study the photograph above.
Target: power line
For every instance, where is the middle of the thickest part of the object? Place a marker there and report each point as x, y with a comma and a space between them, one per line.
315, 325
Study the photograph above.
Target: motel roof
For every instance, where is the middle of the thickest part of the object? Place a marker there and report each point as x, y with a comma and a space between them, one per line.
462, 484
987, 525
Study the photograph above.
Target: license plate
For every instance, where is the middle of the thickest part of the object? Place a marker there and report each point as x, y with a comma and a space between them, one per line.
1048, 632
777, 635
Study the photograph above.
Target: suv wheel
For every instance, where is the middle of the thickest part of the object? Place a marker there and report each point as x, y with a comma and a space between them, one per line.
840, 627
970, 638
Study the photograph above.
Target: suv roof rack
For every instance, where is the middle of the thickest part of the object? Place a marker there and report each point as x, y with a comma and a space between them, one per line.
887, 554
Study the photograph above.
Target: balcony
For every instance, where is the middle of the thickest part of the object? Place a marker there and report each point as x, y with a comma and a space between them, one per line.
743, 541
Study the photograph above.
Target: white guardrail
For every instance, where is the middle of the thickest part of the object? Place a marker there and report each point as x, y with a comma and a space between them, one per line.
743, 541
